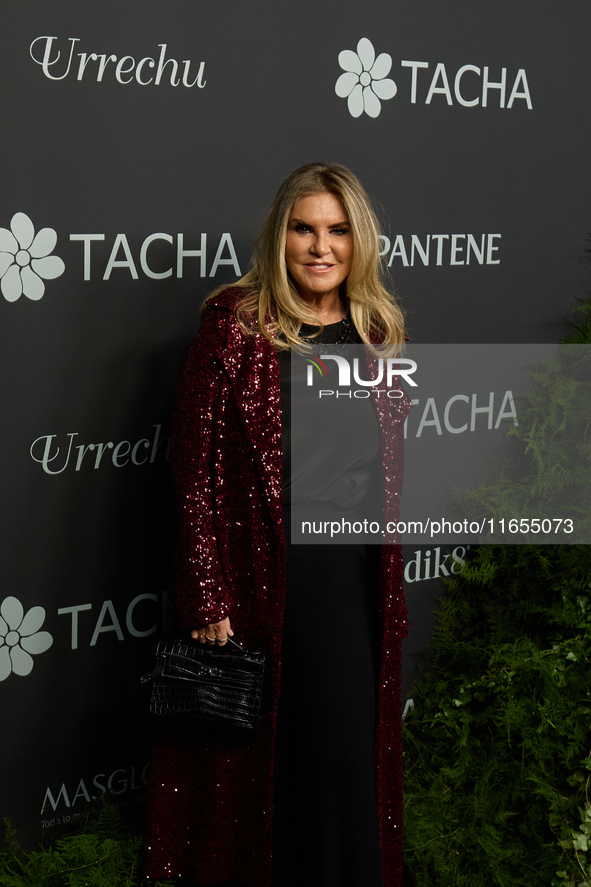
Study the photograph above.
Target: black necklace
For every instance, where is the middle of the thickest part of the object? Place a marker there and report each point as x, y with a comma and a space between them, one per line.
333, 347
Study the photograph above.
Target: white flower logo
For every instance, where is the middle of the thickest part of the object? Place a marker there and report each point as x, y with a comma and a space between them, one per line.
20, 636
25, 259
364, 81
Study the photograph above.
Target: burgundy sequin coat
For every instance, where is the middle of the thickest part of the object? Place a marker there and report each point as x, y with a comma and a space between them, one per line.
211, 802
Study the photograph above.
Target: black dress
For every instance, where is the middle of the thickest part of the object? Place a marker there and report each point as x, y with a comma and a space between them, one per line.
325, 822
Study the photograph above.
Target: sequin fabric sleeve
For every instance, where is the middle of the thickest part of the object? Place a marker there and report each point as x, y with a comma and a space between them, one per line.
200, 596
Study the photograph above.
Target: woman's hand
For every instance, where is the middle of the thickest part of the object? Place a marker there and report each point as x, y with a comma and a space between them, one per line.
216, 632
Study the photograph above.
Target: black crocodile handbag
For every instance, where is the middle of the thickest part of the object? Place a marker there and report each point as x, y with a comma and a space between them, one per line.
221, 684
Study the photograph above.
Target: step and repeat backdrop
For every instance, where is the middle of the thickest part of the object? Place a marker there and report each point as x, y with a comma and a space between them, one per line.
142, 144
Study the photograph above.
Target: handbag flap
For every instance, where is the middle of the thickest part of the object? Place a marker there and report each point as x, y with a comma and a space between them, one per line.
181, 659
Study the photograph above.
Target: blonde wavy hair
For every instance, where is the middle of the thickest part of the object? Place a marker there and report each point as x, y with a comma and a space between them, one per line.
271, 304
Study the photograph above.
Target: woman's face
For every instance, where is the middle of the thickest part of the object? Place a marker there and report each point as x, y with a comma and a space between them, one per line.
319, 246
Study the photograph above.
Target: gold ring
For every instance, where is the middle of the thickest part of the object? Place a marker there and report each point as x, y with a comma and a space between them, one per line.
222, 640
210, 640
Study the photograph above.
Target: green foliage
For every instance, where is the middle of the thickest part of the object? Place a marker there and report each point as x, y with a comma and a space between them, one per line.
575, 837
581, 335
99, 853
497, 760
551, 475
495, 751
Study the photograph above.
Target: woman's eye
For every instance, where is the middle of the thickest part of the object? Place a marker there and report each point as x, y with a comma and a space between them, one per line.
339, 231
300, 228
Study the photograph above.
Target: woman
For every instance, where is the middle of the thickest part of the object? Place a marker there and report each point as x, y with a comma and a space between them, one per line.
315, 796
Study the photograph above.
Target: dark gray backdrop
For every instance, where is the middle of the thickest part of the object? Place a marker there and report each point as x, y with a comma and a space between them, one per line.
94, 360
